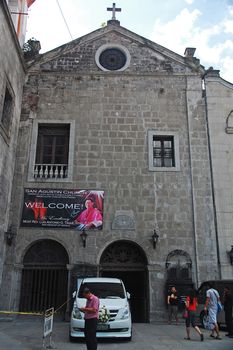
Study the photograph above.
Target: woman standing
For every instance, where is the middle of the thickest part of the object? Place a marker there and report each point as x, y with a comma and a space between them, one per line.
191, 306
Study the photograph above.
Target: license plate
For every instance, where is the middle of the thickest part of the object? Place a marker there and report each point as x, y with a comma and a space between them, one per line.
102, 327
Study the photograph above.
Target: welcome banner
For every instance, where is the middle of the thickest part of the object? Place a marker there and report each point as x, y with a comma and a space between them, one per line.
30, 2
63, 208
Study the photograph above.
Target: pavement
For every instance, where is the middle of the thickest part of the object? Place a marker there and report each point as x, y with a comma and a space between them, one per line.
21, 334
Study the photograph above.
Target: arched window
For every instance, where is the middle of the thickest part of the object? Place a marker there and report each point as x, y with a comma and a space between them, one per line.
229, 123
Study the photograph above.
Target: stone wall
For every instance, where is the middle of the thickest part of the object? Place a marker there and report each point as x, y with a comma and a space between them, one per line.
219, 95
12, 75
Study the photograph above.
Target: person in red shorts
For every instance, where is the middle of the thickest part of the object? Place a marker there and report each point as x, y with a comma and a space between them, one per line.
191, 306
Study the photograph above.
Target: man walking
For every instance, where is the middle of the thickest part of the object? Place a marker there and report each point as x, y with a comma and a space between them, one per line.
227, 299
212, 299
172, 302
91, 311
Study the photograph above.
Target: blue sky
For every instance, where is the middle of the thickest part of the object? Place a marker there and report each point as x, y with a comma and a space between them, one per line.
175, 24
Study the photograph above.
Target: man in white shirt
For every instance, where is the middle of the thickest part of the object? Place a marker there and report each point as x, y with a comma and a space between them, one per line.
212, 299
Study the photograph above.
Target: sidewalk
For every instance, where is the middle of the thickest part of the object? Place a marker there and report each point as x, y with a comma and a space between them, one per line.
27, 335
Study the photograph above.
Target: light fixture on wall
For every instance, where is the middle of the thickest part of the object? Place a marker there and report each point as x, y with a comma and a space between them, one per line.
9, 236
230, 253
83, 236
155, 238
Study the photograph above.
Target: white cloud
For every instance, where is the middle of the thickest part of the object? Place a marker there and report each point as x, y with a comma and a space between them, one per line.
226, 68
45, 22
182, 32
177, 33
230, 10
228, 26
189, 1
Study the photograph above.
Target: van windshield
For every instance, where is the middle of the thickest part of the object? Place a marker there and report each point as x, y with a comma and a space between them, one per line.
103, 290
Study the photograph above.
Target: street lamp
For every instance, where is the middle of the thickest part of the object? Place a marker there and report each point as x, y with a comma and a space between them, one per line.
230, 253
155, 238
83, 236
9, 236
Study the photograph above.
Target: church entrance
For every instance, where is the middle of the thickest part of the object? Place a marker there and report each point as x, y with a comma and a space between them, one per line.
127, 261
44, 277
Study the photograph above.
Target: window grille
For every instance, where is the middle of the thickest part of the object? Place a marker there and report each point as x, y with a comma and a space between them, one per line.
52, 151
7, 111
163, 151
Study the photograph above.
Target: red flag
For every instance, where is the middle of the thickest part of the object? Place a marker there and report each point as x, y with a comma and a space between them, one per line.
30, 2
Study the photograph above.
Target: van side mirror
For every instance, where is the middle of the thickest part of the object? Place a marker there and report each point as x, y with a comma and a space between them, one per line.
74, 294
128, 295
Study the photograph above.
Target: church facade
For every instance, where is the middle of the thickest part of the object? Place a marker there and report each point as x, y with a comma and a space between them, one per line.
118, 123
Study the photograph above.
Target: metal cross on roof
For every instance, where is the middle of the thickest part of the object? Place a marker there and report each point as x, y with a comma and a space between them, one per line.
114, 9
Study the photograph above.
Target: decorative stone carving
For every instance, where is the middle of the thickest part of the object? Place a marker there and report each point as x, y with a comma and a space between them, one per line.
179, 266
82, 269
178, 256
123, 220
46, 252
123, 253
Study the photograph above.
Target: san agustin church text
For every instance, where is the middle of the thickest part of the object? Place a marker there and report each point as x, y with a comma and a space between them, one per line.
115, 160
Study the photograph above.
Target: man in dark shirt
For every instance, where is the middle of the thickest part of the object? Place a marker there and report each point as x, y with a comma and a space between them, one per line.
172, 302
227, 298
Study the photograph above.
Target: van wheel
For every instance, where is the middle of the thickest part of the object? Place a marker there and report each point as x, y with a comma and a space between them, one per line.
72, 339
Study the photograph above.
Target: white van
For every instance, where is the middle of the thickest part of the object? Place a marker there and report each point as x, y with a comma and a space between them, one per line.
113, 297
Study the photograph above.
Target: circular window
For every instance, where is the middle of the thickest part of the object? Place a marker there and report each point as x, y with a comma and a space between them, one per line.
112, 58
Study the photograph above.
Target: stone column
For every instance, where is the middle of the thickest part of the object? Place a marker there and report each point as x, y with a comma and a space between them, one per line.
69, 292
16, 285
204, 238
156, 293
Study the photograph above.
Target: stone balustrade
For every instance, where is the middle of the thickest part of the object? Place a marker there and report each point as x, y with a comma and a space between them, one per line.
50, 171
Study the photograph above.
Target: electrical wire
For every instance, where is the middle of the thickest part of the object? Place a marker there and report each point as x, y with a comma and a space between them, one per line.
64, 19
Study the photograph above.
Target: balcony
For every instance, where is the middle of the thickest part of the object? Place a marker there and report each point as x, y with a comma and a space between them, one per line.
50, 171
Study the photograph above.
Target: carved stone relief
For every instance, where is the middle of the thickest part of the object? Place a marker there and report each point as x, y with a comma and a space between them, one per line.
123, 252
123, 220
179, 265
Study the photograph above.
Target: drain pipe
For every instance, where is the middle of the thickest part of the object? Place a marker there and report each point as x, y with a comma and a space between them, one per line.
211, 173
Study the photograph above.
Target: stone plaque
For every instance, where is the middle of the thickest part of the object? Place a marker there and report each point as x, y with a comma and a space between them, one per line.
123, 220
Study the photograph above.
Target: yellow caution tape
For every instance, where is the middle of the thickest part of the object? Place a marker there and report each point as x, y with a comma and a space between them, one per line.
21, 313
33, 313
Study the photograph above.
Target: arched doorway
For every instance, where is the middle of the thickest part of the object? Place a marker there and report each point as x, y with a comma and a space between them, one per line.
127, 261
44, 277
